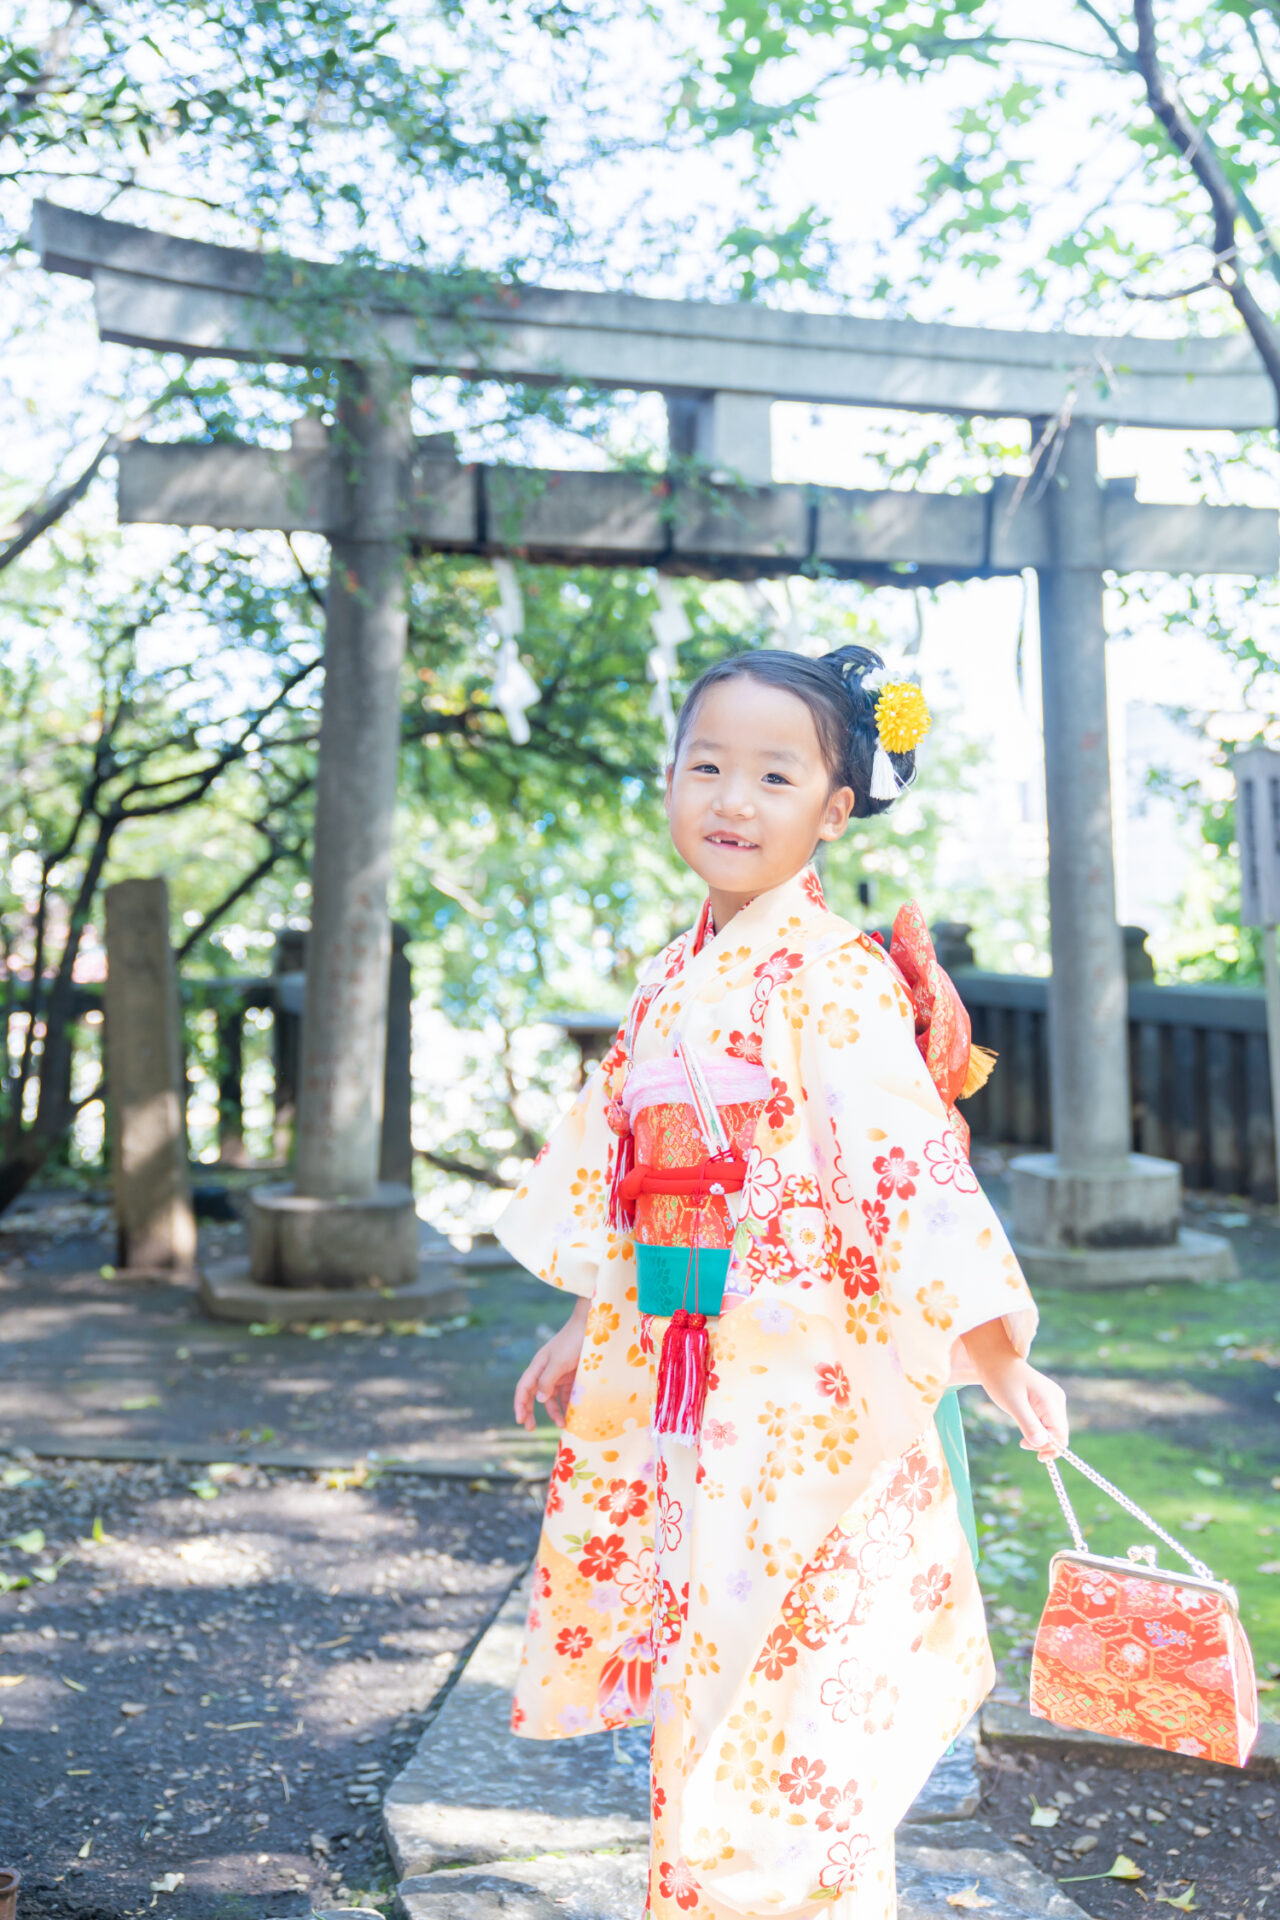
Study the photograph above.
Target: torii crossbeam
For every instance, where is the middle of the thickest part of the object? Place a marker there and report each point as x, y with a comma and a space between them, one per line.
1092, 1210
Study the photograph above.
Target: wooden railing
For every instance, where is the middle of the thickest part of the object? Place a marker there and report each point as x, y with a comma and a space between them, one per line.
1198, 1061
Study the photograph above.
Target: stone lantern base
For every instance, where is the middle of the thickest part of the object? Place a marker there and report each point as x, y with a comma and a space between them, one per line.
1111, 1226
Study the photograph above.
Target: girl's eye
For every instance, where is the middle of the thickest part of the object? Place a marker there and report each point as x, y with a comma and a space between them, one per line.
705, 766
780, 778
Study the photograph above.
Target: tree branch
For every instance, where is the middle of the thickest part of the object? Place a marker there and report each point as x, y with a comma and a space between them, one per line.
465, 1169
1207, 167
47, 512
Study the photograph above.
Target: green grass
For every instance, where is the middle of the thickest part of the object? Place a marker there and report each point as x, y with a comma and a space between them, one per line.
1175, 1392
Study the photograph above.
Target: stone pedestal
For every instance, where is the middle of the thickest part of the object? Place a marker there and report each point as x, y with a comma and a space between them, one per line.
1110, 1226
146, 1082
298, 1242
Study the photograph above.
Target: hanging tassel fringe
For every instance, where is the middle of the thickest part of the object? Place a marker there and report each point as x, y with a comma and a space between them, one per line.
981, 1062
622, 1213
683, 1367
885, 784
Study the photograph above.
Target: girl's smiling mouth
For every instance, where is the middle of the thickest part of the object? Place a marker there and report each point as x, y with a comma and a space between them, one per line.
732, 841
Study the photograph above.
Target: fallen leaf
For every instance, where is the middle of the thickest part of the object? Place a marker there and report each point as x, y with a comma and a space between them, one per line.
85, 1850
12, 1679
1044, 1816
1184, 1901
1121, 1868
99, 1531
168, 1883
968, 1897
203, 1489
261, 1327
75, 1685
30, 1542
15, 1476
131, 1708
140, 1403
1206, 1476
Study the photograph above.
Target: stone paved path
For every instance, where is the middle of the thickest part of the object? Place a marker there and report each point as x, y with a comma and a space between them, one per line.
479, 1822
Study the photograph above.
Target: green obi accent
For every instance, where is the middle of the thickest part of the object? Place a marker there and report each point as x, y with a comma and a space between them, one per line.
951, 1433
668, 1278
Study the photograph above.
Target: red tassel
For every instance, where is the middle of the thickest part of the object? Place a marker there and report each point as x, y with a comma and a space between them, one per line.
683, 1367
622, 1213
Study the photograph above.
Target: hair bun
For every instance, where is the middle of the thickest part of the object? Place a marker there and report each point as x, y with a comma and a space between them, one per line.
852, 664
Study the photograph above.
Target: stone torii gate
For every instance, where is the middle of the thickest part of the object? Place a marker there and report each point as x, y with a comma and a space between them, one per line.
1091, 1210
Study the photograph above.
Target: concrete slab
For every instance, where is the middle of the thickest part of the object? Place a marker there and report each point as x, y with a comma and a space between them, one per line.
1192, 1256
473, 1792
1006, 1722
610, 1886
953, 1790
933, 1868
588, 1886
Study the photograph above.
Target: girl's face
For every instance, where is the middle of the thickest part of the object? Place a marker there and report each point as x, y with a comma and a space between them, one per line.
749, 795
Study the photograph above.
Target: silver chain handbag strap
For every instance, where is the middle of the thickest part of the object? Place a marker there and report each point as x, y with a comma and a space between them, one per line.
1122, 1499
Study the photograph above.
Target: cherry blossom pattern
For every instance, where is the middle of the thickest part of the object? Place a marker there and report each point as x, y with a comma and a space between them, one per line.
928, 1590
602, 1557
845, 1864
840, 1807
949, 1163
779, 1106
762, 1188
746, 1046
771, 973
833, 1381
898, 1175
676, 1882
802, 1780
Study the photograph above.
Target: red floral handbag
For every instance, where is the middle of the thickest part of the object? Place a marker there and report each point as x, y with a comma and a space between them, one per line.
1128, 1649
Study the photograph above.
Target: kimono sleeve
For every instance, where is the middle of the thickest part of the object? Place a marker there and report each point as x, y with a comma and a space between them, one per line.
919, 1247
557, 1224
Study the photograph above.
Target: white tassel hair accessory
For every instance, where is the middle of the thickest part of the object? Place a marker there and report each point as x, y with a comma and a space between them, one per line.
885, 781
902, 721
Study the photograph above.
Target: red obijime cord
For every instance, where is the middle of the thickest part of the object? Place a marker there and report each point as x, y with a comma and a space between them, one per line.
684, 1365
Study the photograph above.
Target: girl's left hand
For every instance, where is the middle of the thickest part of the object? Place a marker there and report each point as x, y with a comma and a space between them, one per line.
1037, 1403
1029, 1397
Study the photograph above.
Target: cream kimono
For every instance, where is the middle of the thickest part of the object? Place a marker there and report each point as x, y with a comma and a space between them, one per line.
796, 1591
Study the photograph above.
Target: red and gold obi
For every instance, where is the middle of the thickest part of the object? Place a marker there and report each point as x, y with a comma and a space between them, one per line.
673, 1189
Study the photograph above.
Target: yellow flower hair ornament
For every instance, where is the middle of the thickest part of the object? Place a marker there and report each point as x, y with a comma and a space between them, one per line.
902, 721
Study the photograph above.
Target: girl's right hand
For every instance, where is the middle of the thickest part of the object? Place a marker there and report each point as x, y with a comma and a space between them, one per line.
547, 1381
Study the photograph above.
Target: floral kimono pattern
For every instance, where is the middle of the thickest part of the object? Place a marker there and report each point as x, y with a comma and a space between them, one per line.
794, 1598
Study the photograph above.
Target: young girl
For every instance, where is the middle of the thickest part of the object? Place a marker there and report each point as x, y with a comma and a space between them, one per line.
782, 1260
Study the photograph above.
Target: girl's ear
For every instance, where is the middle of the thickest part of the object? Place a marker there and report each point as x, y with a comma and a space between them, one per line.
666, 795
838, 814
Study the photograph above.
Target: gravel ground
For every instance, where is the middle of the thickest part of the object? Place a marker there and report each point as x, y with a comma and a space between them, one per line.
212, 1673
1209, 1830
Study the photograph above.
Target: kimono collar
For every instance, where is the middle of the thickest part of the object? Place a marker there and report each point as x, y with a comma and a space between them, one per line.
799, 897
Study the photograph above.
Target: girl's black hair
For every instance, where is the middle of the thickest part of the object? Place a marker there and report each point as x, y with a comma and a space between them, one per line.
844, 711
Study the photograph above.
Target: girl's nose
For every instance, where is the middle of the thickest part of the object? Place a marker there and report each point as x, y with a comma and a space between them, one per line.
735, 801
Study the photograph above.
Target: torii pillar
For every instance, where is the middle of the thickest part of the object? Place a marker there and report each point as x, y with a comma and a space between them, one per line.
339, 1226
1092, 1212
